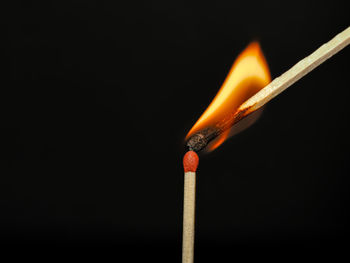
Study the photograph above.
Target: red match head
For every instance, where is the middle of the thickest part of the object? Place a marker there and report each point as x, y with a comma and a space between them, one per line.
190, 161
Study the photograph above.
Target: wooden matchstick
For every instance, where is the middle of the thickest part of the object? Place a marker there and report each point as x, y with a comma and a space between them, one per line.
298, 71
199, 140
190, 162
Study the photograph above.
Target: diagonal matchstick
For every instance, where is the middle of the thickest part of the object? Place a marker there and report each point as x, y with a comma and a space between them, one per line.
295, 73
199, 140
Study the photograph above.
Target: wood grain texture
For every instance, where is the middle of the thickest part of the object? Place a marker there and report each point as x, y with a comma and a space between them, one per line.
189, 217
299, 70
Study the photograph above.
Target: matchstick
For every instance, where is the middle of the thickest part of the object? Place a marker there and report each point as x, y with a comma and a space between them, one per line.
298, 71
199, 140
190, 163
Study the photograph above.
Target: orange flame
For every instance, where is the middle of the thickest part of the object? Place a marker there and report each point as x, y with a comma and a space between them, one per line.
249, 74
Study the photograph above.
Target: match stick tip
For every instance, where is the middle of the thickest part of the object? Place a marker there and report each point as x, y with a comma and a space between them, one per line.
190, 161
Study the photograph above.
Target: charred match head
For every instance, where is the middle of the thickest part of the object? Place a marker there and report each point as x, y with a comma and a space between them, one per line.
200, 140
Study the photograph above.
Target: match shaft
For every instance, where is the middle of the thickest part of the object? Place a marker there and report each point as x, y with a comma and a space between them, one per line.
189, 217
298, 71
199, 140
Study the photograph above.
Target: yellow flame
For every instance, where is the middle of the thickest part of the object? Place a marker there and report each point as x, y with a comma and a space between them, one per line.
249, 74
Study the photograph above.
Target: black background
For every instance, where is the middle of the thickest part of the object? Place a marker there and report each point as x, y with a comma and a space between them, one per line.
97, 98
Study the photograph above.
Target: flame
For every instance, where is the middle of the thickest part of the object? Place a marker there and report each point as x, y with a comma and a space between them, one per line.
249, 74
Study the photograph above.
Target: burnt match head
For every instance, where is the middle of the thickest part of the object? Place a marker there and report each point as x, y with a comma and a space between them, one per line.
197, 142
200, 140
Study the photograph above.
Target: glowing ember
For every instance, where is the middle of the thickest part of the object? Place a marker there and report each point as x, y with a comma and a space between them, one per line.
249, 74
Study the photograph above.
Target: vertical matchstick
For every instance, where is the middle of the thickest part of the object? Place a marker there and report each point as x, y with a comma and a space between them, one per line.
190, 163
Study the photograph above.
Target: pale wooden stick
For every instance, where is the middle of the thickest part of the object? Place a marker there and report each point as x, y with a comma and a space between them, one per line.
295, 73
190, 162
188, 217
